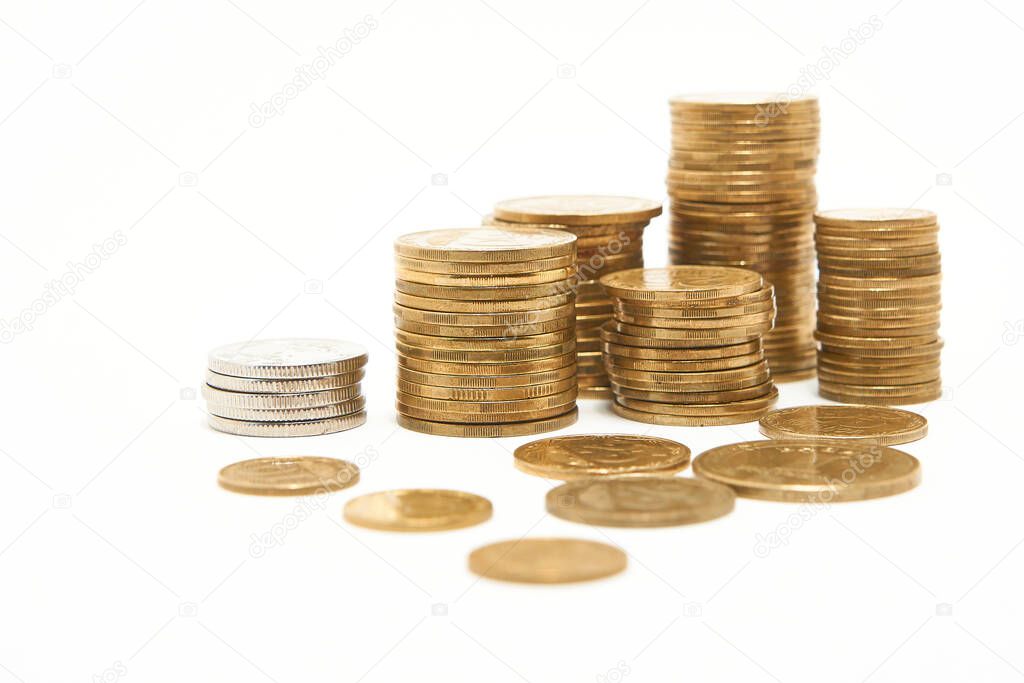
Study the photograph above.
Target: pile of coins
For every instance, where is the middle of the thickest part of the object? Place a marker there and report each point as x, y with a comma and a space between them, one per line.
879, 299
685, 345
609, 237
741, 180
484, 331
285, 387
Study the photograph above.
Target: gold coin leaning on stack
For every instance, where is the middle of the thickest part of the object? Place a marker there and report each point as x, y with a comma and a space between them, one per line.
285, 387
685, 346
879, 298
741, 180
609, 237
484, 331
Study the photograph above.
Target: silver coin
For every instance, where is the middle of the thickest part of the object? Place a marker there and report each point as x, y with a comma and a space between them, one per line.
349, 407
250, 385
285, 429
289, 401
287, 358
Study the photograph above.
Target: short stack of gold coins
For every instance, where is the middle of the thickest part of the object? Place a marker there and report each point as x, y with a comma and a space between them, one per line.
285, 387
685, 347
609, 237
484, 331
879, 299
741, 180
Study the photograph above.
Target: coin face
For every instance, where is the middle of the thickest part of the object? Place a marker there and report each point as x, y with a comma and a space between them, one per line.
577, 209
547, 560
681, 282
418, 510
871, 424
810, 471
640, 501
455, 243
294, 476
287, 358
595, 455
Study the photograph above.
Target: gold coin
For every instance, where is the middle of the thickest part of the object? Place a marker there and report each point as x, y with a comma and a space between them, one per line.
894, 218
593, 230
485, 244
484, 319
500, 344
696, 337
496, 394
833, 394
802, 470
707, 325
479, 431
486, 293
417, 510
460, 410
683, 365
290, 476
518, 280
484, 331
447, 415
640, 501
595, 392
868, 424
502, 356
710, 312
286, 429
547, 560
761, 403
694, 397
600, 455
681, 283
684, 420
493, 306
909, 390
441, 379
403, 263
488, 369
250, 385
577, 209
784, 376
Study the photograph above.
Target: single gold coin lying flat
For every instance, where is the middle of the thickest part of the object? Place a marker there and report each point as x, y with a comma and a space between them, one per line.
296, 476
803, 470
577, 209
485, 244
640, 501
681, 283
418, 510
870, 424
597, 455
547, 560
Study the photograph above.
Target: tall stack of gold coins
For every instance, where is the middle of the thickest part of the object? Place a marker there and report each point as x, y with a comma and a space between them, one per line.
609, 237
285, 387
879, 297
685, 346
741, 179
484, 331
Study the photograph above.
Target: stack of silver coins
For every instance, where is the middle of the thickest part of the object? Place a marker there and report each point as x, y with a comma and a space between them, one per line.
286, 387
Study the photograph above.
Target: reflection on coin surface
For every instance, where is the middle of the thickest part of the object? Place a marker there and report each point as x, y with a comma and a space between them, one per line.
871, 424
577, 209
418, 510
287, 358
681, 283
295, 476
640, 501
801, 470
592, 455
547, 560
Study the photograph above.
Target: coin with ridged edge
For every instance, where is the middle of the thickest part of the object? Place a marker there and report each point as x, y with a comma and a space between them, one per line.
278, 415
286, 429
288, 476
494, 430
296, 358
547, 560
418, 510
577, 209
640, 501
802, 470
869, 424
600, 455
283, 386
279, 401
681, 283
485, 244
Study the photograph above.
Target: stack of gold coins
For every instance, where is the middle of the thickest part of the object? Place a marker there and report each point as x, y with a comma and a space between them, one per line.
879, 296
484, 331
685, 346
285, 387
741, 179
609, 237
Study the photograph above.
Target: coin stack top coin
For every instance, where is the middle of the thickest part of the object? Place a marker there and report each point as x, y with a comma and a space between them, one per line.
285, 387
685, 345
741, 180
879, 299
484, 331
609, 231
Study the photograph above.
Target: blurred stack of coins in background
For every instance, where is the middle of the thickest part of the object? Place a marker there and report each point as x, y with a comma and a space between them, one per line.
285, 387
484, 331
879, 297
685, 346
609, 237
741, 179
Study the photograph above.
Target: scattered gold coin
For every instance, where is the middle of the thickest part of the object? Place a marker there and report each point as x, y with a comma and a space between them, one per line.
870, 424
595, 455
296, 476
547, 560
803, 470
640, 501
418, 510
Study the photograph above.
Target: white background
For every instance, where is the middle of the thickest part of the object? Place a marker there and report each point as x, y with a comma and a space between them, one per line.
120, 557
